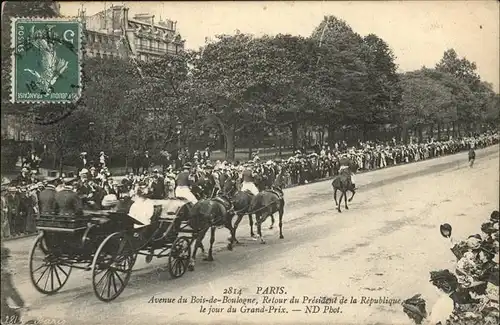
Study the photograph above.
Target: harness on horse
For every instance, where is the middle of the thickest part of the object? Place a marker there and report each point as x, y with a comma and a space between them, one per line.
225, 202
276, 191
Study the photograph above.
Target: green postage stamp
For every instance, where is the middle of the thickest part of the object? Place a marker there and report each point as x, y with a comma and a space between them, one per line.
46, 60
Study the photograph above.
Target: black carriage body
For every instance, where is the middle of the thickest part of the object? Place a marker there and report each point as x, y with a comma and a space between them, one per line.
107, 243
77, 238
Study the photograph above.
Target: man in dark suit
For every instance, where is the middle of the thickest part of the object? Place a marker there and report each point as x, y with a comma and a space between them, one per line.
158, 186
146, 161
68, 202
136, 162
47, 200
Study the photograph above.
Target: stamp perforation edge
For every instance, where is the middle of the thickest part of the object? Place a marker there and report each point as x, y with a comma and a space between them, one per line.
13, 21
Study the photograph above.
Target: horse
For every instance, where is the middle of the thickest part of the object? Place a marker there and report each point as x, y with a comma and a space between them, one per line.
343, 183
241, 202
265, 204
210, 214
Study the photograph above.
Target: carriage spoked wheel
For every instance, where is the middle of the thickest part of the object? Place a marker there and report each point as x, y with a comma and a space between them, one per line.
48, 272
178, 259
112, 266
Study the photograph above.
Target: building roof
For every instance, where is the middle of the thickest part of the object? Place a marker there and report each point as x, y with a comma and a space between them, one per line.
139, 22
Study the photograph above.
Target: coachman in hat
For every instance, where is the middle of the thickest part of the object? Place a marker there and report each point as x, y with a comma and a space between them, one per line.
183, 183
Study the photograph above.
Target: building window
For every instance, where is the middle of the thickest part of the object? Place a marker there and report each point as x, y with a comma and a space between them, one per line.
171, 48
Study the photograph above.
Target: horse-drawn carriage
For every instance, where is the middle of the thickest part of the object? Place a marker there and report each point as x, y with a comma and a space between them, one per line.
107, 243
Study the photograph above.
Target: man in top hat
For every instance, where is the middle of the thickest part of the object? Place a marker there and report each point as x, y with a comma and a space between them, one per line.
157, 186
47, 199
183, 185
248, 181
68, 202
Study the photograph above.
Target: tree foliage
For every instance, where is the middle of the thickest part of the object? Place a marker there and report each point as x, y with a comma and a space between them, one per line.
241, 84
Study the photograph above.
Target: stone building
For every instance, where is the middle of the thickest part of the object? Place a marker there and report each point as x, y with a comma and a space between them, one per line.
111, 33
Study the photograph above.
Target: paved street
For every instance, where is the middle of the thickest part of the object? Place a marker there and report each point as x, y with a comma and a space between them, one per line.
385, 245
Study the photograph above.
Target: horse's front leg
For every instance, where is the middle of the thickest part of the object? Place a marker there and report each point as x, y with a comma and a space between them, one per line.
210, 257
353, 192
235, 226
335, 195
197, 244
230, 227
345, 200
340, 201
259, 221
250, 219
280, 220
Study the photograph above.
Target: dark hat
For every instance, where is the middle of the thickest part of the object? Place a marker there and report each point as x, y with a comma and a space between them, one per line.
445, 230
495, 216
488, 228
415, 308
444, 280
477, 236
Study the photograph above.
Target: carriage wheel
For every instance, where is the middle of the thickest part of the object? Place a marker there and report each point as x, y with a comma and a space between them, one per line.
47, 272
178, 259
112, 266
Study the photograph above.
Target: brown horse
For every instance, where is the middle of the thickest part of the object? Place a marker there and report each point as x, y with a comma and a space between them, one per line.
265, 204
210, 214
241, 203
343, 183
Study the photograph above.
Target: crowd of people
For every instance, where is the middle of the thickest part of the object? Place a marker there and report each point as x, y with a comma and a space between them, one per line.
99, 189
470, 294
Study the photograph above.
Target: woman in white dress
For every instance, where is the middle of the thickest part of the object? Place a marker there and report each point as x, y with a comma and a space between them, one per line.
143, 208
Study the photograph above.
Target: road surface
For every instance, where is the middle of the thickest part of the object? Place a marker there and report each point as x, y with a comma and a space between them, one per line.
383, 247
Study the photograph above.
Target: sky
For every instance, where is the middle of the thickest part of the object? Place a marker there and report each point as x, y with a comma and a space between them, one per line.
418, 32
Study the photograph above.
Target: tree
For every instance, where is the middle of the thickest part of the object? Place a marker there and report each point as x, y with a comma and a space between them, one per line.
384, 90
475, 109
342, 75
106, 84
159, 104
425, 101
238, 80
67, 138
459, 67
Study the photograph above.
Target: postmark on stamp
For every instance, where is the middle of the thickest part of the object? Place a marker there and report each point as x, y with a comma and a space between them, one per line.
46, 60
